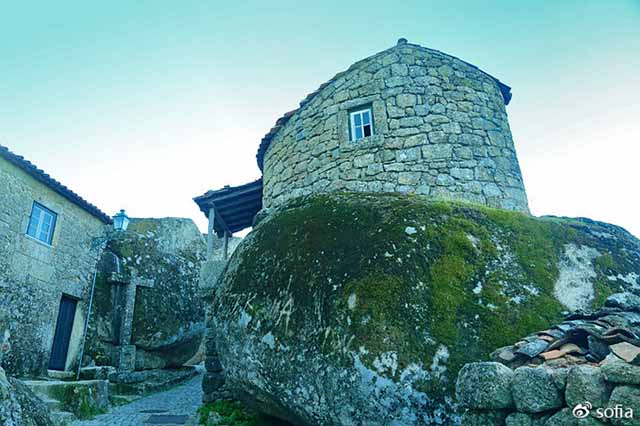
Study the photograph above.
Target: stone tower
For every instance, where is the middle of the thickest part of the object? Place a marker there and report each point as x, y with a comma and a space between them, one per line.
408, 119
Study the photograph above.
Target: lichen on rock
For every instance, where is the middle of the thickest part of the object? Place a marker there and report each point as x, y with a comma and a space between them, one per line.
19, 406
331, 313
168, 316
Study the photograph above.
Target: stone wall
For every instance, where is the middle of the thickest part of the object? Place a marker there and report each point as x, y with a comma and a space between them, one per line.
34, 275
539, 396
440, 129
585, 371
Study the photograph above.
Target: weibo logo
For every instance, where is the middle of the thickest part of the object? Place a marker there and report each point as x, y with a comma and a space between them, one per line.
581, 411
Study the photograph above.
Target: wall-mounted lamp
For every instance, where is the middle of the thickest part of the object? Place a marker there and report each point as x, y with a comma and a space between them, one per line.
120, 221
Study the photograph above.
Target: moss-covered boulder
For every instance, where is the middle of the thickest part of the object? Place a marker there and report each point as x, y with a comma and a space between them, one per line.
19, 406
346, 309
162, 258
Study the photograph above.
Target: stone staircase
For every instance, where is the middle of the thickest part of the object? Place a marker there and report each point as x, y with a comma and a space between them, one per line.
99, 387
69, 401
59, 415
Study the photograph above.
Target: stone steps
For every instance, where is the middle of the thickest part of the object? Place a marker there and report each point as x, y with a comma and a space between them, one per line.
61, 375
69, 401
59, 415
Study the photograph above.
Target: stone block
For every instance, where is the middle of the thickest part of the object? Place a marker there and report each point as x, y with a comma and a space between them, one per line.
471, 140
463, 153
562, 418
618, 371
363, 160
407, 131
518, 419
127, 358
408, 154
485, 386
625, 400
587, 383
406, 100
395, 81
462, 174
422, 109
534, 390
489, 418
374, 169
437, 152
410, 122
436, 118
409, 178
400, 70
415, 140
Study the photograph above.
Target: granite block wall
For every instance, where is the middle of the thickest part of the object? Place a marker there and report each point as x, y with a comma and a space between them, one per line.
34, 275
440, 129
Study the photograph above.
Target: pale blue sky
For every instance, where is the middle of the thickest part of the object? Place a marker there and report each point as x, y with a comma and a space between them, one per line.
143, 105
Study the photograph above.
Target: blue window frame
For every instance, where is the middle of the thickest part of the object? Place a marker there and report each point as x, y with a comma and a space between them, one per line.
42, 223
361, 124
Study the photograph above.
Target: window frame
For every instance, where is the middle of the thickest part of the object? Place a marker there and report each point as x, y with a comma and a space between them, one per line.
352, 122
42, 214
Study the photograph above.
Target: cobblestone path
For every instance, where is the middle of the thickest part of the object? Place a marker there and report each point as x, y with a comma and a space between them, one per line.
182, 400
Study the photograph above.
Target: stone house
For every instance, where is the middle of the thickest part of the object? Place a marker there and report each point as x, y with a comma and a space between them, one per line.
59, 256
49, 245
408, 119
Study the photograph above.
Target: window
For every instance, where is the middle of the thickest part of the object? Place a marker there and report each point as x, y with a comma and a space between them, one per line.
361, 124
41, 223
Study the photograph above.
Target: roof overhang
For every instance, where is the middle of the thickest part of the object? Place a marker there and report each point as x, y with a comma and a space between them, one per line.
234, 207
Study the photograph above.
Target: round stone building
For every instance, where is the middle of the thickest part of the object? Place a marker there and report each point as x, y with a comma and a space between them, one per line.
408, 119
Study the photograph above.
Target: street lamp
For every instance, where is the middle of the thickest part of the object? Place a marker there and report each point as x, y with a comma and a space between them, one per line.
120, 221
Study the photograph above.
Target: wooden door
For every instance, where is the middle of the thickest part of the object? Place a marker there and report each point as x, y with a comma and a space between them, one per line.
61, 339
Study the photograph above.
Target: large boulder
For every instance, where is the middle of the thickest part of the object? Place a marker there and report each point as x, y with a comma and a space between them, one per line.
19, 406
347, 309
162, 257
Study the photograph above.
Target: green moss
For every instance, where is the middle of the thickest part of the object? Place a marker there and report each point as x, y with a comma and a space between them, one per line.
162, 307
360, 275
234, 413
605, 263
143, 226
77, 399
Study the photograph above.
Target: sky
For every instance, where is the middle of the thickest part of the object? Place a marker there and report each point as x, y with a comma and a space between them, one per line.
144, 105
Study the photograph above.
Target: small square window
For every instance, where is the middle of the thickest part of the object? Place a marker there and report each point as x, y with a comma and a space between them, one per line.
361, 124
42, 223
